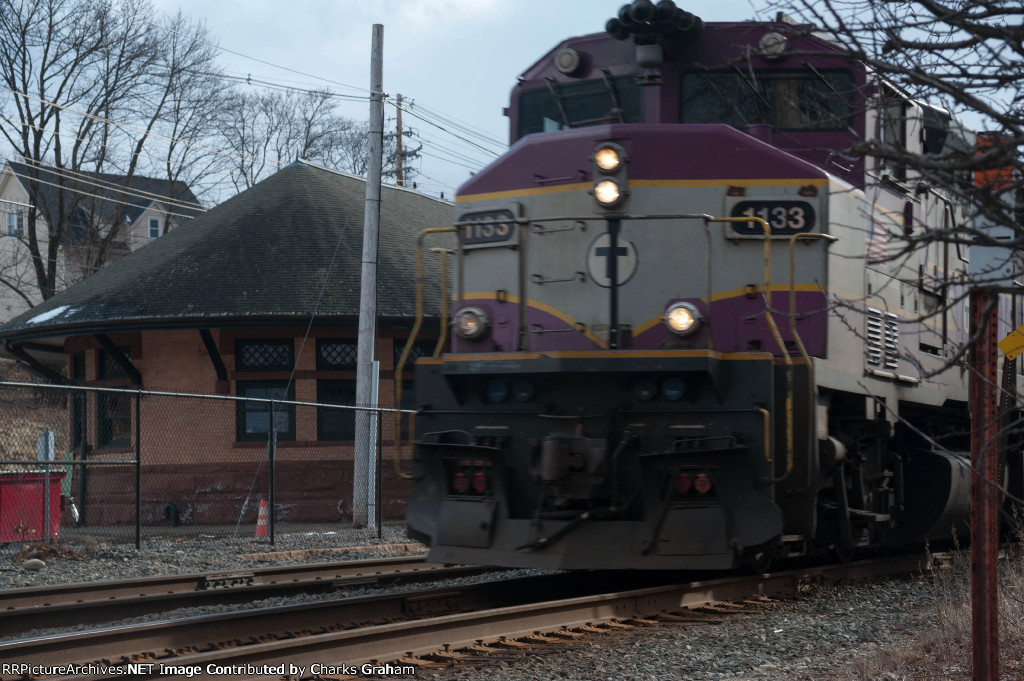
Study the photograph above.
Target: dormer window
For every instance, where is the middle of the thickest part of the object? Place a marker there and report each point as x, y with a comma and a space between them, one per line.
154, 228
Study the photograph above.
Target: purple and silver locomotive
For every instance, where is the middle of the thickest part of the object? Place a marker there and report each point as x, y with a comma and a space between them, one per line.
679, 337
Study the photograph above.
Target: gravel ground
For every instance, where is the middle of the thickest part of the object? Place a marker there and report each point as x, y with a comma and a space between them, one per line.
821, 634
86, 559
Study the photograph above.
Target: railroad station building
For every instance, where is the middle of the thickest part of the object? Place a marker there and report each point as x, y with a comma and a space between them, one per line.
258, 297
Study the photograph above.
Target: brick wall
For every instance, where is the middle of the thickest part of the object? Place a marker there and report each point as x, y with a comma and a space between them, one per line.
188, 446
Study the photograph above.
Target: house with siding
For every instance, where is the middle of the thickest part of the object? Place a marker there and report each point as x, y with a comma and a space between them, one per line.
126, 213
258, 297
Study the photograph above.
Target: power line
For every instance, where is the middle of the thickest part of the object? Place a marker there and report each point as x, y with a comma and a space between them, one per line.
95, 196
90, 143
224, 49
448, 160
442, 128
100, 183
447, 120
128, 127
461, 125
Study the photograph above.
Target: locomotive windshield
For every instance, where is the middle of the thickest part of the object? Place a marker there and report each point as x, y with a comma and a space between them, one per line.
802, 100
576, 105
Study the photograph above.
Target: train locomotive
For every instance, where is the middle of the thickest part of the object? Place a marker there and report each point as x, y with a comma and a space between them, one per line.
681, 335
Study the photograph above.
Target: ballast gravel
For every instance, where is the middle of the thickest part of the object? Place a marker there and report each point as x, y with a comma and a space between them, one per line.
89, 559
821, 633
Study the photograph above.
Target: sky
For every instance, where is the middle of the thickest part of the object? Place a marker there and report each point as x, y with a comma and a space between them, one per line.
454, 58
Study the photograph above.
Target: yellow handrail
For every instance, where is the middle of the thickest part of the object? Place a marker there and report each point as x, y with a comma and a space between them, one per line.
767, 292
409, 343
792, 321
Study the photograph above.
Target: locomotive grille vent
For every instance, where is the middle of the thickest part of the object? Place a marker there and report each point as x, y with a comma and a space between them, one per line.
883, 339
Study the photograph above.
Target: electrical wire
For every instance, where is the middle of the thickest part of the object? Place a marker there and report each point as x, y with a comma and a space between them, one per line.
94, 196
100, 183
229, 51
127, 128
442, 128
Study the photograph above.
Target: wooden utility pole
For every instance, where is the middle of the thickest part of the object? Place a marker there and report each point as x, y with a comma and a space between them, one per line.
984, 385
398, 148
365, 420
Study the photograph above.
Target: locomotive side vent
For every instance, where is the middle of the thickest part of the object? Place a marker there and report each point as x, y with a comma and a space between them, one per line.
882, 339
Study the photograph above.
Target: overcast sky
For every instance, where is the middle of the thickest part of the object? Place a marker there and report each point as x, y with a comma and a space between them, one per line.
459, 58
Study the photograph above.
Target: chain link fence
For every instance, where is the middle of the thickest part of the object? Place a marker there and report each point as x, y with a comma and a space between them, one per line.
128, 464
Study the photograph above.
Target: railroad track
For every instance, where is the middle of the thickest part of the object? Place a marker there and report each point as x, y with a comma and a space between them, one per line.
24, 609
340, 635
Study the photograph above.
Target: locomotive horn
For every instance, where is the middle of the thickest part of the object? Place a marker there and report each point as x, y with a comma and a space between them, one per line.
646, 22
664, 10
687, 22
626, 17
615, 29
642, 10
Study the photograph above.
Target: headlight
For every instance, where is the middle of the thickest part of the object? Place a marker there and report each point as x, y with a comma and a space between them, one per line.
682, 318
645, 389
673, 388
497, 390
607, 192
471, 323
523, 390
611, 180
607, 159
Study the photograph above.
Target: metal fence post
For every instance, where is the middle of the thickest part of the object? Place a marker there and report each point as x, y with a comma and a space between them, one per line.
378, 482
84, 451
271, 451
138, 470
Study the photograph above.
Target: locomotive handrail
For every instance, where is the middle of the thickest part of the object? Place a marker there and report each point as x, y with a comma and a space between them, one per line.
767, 293
792, 316
407, 350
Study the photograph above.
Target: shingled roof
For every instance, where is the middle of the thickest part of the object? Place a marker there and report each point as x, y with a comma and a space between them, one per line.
261, 257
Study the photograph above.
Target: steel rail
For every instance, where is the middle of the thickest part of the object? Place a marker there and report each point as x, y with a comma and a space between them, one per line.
28, 608
359, 630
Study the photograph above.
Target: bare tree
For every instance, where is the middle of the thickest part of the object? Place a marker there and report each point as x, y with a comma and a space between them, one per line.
88, 86
355, 152
965, 58
266, 131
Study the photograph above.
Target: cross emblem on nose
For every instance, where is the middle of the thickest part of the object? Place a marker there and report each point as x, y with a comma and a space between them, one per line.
599, 260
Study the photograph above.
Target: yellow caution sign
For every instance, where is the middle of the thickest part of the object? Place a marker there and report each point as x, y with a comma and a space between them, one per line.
1013, 344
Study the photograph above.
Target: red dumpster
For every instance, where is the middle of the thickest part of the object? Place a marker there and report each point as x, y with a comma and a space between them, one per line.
23, 505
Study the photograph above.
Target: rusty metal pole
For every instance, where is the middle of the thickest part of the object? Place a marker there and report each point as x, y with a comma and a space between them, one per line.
984, 489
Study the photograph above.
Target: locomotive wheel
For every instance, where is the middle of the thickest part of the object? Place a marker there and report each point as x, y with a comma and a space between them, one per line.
759, 559
842, 555
761, 562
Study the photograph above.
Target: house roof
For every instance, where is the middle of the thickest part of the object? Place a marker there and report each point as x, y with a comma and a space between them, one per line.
276, 253
99, 194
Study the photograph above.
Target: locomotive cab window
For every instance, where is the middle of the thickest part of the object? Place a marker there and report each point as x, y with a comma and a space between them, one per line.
786, 100
577, 105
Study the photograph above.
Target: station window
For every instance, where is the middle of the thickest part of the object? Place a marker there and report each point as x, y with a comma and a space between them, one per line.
265, 355
335, 424
108, 367
336, 354
253, 416
114, 420
421, 348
